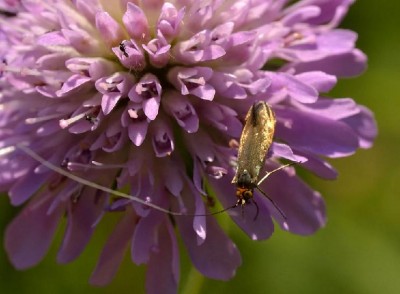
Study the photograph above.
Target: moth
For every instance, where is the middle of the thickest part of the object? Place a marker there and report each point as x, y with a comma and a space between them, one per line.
255, 141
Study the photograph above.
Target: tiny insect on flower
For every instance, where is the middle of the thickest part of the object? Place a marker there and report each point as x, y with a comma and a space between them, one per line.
122, 47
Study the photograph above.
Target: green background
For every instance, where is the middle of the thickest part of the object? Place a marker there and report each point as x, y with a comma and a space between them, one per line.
357, 252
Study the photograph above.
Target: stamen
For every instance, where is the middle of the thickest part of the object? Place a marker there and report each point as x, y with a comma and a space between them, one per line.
96, 165
34, 120
7, 150
64, 123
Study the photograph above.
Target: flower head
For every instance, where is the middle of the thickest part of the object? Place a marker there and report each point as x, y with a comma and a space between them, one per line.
150, 97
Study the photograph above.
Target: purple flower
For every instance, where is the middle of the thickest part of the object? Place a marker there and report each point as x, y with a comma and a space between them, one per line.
150, 97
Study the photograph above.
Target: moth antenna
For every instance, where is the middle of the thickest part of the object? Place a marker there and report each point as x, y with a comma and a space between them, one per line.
273, 202
277, 169
213, 213
88, 183
82, 181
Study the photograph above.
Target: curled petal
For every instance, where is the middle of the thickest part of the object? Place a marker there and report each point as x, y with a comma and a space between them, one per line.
109, 28
135, 22
163, 143
158, 50
170, 20
137, 126
183, 111
198, 49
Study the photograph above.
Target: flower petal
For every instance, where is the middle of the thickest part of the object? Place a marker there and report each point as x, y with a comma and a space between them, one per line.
303, 207
216, 264
81, 219
114, 251
109, 28
135, 22
29, 235
316, 134
163, 267
26, 186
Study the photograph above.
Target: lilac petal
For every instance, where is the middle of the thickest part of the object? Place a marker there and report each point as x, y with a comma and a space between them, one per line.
163, 267
29, 235
330, 10
197, 176
170, 20
81, 219
114, 250
137, 132
82, 41
300, 15
192, 81
201, 146
318, 166
95, 68
199, 222
303, 207
227, 86
135, 22
343, 65
148, 87
151, 107
109, 29
319, 80
293, 87
88, 9
55, 61
73, 85
109, 101
222, 118
218, 264
338, 41
365, 125
158, 50
334, 109
143, 242
26, 186
316, 134
198, 49
53, 39
284, 151
182, 110
260, 228
162, 140
173, 181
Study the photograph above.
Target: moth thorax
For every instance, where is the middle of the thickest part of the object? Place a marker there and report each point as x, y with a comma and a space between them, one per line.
244, 180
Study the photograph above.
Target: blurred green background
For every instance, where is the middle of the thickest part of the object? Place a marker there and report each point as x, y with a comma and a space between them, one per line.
359, 249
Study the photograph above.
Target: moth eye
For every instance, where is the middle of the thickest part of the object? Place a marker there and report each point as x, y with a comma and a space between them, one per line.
248, 194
